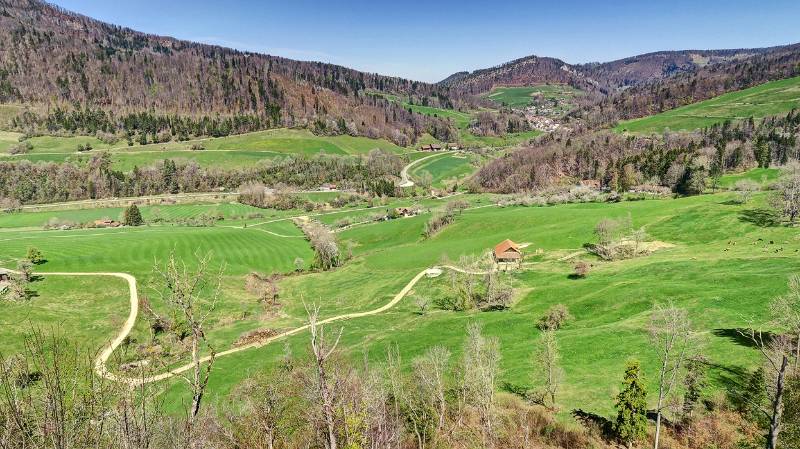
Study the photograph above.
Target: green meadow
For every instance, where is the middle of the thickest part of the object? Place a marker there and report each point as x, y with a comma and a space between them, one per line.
231, 151
521, 97
720, 262
444, 168
772, 98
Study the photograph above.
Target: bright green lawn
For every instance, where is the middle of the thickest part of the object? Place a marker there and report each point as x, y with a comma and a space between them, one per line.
721, 289
776, 97
763, 176
446, 167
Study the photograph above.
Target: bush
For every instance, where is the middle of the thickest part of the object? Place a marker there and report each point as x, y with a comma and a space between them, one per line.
84, 147
20, 148
555, 317
581, 269
197, 147
744, 190
438, 222
107, 138
35, 256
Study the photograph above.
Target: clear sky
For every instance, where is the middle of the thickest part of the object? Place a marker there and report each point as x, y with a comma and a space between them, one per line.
430, 39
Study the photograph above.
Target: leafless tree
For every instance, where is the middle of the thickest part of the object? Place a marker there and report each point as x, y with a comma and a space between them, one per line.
787, 199
480, 368
776, 352
547, 367
670, 335
326, 385
785, 311
192, 294
430, 372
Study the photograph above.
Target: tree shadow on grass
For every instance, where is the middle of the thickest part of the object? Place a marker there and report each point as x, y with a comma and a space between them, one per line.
764, 218
741, 337
594, 421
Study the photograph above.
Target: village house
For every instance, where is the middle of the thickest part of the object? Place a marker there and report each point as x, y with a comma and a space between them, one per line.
507, 252
407, 211
431, 147
107, 223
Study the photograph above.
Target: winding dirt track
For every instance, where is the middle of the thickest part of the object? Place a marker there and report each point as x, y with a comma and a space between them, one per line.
101, 369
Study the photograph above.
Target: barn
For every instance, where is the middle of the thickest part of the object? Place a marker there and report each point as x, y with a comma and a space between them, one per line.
507, 251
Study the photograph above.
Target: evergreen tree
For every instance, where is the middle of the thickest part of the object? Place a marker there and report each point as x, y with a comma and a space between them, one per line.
631, 423
132, 216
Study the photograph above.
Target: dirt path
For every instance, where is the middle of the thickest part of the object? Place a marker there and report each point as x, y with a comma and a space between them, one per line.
100, 363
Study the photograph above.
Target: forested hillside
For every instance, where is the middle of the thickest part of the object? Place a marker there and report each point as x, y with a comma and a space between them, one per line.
82, 75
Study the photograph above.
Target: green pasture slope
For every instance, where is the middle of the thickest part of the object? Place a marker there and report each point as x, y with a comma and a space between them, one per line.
443, 168
520, 97
231, 151
722, 285
775, 97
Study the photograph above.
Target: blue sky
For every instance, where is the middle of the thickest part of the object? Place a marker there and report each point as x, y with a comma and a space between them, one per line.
429, 40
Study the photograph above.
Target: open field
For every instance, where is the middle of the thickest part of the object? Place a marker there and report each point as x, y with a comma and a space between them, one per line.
558, 97
722, 285
444, 168
231, 151
771, 98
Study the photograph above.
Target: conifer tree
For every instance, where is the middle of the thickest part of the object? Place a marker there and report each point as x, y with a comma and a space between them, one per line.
132, 216
631, 423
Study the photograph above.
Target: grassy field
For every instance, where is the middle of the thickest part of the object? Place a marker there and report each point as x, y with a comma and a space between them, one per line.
231, 151
776, 97
763, 176
444, 168
720, 284
558, 97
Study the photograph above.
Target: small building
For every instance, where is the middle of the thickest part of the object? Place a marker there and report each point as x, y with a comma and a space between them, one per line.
328, 187
107, 223
591, 183
406, 211
507, 251
431, 147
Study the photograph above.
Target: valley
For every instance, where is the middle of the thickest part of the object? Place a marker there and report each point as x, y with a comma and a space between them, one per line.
206, 247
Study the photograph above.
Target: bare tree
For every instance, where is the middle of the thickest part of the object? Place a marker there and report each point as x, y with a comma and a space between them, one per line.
776, 352
430, 372
481, 366
787, 199
547, 368
785, 311
192, 294
326, 387
670, 335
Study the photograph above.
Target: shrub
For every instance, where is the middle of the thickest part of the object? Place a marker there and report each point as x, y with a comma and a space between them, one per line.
582, 269
35, 256
197, 147
744, 190
438, 222
107, 138
20, 148
555, 317
84, 147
